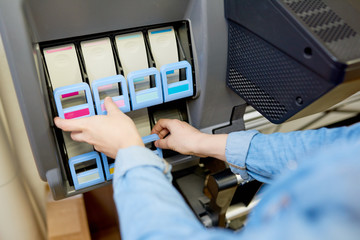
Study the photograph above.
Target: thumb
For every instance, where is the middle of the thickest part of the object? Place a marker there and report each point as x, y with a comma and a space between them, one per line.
110, 106
162, 143
70, 124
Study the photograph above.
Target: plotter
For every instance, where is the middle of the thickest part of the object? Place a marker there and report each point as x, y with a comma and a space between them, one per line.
198, 61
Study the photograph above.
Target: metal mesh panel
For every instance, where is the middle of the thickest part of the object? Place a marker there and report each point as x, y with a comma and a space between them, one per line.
252, 93
301, 6
328, 26
266, 78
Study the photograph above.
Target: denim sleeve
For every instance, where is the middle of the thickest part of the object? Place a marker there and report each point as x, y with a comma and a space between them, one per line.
237, 147
266, 156
317, 200
148, 206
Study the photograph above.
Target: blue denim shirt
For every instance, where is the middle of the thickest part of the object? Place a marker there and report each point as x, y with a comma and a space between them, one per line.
314, 191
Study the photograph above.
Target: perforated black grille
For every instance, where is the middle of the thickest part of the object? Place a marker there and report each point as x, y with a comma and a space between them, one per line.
300, 7
328, 26
266, 78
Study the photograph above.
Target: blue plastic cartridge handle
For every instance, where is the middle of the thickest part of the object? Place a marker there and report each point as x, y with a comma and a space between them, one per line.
122, 101
147, 97
180, 89
86, 178
108, 168
153, 138
78, 111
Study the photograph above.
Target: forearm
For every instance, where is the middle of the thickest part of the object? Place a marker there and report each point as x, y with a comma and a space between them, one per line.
263, 156
148, 205
270, 155
212, 146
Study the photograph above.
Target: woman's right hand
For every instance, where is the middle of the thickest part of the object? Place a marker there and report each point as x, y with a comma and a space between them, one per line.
185, 139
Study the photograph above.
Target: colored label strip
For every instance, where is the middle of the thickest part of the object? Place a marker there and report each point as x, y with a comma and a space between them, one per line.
162, 31
69, 94
119, 103
88, 178
129, 37
177, 89
105, 87
146, 97
139, 79
58, 49
76, 114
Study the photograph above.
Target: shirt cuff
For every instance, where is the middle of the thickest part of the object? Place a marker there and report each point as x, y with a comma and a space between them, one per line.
136, 156
237, 147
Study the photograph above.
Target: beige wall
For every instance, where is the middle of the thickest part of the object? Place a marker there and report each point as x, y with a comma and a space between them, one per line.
22, 192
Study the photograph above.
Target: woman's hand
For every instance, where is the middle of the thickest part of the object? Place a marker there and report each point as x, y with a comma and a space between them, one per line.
185, 139
108, 133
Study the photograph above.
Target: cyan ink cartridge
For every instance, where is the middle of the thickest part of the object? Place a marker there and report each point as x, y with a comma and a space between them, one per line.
164, 49
145, 97
114, 87
86, 170
98, 58
74, 101
133, 56
152, 138
176, 90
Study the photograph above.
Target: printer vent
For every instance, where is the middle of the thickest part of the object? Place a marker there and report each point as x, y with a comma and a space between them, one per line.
301, 6
266, 78
327, 25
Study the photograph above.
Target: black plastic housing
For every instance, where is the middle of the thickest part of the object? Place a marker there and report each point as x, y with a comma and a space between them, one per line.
292, 58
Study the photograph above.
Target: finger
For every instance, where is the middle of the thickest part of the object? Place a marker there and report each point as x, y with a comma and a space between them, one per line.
70, 124
162, 124
98, 148
77, 136
163, 133
162, 143
110, 106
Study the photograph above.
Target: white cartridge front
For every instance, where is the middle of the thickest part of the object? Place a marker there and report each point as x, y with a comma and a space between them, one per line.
98, 58
141, 120
132, 52
164, 49
133, 56
63, 65
75, 148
